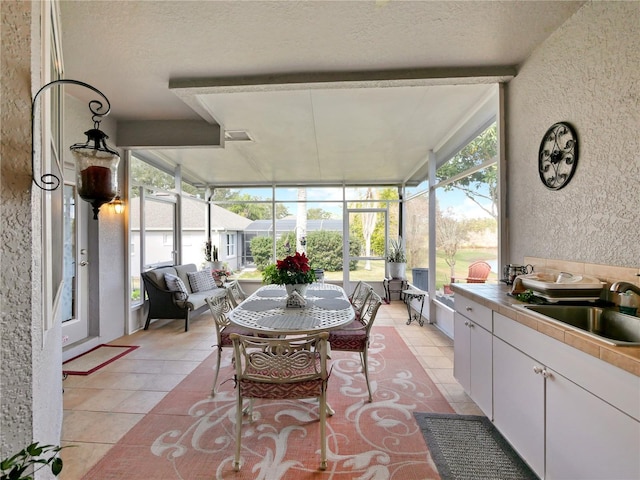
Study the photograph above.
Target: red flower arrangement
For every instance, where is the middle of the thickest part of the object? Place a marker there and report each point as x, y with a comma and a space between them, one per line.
291, 270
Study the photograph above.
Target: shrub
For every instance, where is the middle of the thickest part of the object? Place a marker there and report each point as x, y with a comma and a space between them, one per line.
261, 250
324, 249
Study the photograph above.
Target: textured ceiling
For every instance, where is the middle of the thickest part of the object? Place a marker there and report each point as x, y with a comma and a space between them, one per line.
349, 91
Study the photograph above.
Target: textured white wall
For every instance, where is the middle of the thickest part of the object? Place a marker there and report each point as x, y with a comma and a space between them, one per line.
30, 365
16, 273
586, 73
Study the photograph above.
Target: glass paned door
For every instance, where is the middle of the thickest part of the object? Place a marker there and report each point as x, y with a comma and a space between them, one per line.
368, 231
73, 300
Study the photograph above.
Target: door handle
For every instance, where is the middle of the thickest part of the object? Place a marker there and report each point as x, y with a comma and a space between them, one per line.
84, 263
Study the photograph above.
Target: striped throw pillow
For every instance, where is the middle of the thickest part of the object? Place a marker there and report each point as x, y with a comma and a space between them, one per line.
176, 285
201, 281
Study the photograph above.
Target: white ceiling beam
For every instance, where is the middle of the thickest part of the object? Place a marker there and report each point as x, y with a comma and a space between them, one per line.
168, 134
358, 79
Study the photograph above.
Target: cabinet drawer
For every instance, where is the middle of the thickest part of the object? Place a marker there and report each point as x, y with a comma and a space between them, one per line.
474, 311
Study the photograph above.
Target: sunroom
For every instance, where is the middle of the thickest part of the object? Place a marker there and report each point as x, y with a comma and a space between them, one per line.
384, 194
556, 61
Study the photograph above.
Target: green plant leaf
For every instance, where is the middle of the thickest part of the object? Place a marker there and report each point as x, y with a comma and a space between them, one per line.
34, 450
56, 465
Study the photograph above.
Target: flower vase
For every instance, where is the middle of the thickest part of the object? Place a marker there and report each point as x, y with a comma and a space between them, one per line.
301, 288
397, 269
217, 265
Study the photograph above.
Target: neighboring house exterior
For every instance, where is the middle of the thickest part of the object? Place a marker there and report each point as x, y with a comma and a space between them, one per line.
226, 233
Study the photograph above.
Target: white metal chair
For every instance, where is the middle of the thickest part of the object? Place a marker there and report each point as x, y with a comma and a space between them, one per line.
237, 295
360, 296
355, 291
220, 306
281, 368
355, 337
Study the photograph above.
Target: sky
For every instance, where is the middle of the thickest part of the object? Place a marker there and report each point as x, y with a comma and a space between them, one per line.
453, 201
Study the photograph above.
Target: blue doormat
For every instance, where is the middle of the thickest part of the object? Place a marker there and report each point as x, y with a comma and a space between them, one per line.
468, 447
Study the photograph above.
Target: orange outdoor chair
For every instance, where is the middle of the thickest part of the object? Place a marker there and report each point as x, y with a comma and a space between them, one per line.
478, 272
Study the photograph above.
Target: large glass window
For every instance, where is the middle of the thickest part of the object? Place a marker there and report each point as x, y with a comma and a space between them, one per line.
152, 216
159, 231
467, 214
246, 214
416, 235
231, 245
194, 230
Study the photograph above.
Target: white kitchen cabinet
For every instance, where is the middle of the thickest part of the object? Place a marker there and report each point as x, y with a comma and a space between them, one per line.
587, 438
518, 403
562, 430
472, 348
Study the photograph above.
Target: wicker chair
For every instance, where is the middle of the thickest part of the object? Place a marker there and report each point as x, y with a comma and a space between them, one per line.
281, 368
355, 336
219, 307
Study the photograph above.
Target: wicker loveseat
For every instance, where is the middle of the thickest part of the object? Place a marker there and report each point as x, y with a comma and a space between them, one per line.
167, 303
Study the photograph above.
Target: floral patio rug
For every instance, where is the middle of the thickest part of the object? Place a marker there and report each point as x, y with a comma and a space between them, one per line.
190, 436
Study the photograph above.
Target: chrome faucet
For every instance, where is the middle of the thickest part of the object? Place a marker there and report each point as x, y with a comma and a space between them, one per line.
621, 287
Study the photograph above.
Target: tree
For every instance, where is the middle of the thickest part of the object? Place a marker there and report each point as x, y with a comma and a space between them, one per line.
368, 225
301, 220
480, 185
248, 206
144, 174
417, 231
449, 234
377, 239
318, 214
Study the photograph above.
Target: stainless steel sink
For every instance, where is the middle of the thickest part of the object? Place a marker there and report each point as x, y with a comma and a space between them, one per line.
605, 324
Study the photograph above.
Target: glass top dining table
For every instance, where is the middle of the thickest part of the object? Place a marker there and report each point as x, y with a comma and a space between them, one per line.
266, 312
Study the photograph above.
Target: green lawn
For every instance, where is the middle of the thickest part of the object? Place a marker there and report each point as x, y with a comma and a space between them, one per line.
463, 259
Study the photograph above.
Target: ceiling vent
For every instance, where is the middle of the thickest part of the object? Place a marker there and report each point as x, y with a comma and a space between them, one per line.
237, 136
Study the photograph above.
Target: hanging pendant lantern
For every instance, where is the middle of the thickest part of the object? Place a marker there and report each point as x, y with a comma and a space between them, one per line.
96, 169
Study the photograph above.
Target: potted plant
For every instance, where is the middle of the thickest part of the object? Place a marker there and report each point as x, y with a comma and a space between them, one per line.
293, 272
25, 463
216, 264
207, 253
211, 256
221, 275
396, 258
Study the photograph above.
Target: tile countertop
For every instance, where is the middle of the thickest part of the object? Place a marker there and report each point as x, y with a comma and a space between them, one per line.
495, 297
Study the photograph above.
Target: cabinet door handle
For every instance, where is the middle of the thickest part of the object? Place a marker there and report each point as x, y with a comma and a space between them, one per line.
542, 371
469, 309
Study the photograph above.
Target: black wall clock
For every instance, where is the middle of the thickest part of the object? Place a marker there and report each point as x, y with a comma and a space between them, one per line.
558, 156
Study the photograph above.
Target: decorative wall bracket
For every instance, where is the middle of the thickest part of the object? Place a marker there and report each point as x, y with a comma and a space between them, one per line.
96, 162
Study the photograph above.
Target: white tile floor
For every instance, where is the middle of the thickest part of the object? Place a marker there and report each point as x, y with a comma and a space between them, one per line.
101, 408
